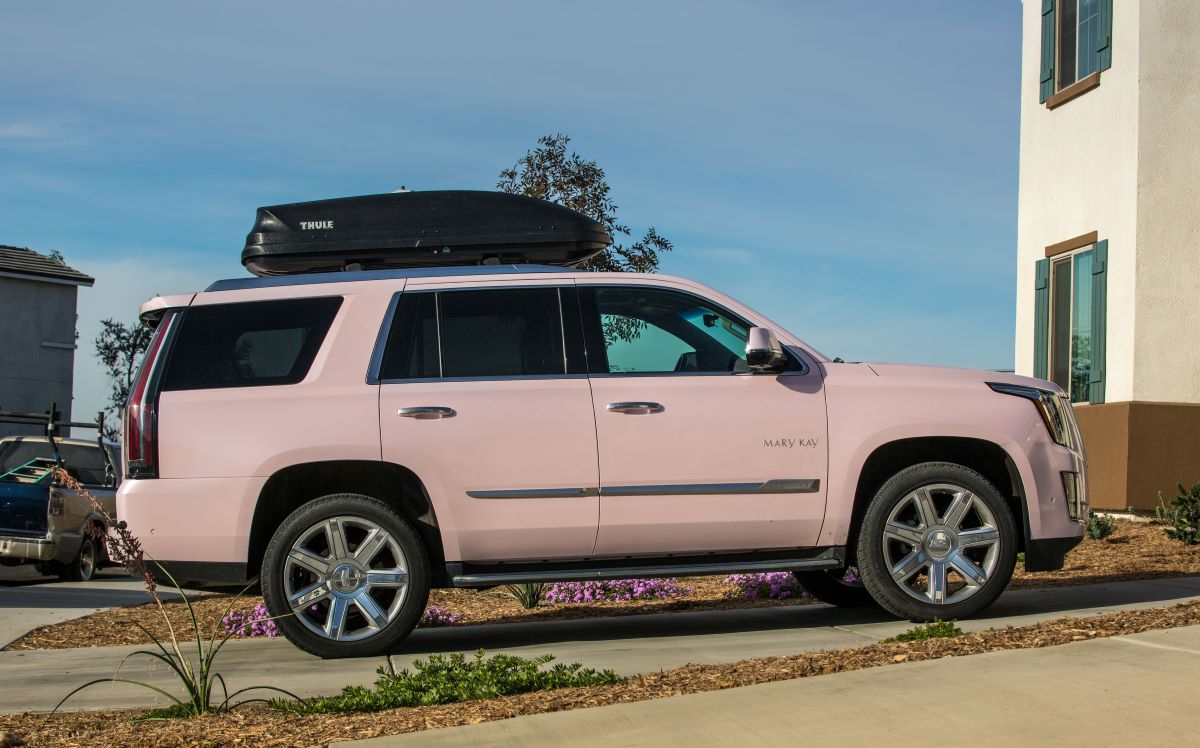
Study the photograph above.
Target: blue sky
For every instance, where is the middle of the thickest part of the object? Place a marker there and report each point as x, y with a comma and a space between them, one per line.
849, 169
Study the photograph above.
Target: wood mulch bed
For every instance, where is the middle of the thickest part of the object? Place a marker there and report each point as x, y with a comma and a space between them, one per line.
1137, 550
256, 725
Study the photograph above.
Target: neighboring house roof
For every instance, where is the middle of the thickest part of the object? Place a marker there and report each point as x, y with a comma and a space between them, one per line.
24, 262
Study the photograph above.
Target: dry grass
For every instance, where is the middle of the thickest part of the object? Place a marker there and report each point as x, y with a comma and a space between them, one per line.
261, 727
1137, 550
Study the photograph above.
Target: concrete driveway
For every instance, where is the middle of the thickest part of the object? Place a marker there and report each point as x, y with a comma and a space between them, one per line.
29, 600
36, 680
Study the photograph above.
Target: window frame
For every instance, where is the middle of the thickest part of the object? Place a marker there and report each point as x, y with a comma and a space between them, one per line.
573, 360
1053, 93
1068, 258
596, 350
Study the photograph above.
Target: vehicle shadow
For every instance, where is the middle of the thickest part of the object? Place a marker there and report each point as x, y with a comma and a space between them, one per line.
1012, 604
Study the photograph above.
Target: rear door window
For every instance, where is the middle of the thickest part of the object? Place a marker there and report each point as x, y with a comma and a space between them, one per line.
511, 332
251, 344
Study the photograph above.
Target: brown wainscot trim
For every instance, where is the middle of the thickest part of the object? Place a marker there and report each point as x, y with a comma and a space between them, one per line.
1076, 89
1082, 240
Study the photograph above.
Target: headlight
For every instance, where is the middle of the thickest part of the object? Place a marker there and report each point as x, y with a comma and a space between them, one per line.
1055, 411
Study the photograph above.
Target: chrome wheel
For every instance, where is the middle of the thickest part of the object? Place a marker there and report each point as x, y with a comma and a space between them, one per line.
941, 544
345, 578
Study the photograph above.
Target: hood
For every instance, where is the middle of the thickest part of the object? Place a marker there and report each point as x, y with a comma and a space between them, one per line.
953, 375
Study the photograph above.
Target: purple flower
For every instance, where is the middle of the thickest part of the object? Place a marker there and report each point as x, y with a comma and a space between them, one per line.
437, 615
620, 590
774, 585
256, 623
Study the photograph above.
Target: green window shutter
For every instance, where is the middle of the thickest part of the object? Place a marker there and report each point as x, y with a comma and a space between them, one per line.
1047, 49
1099, 321
1104, 47
1041, 320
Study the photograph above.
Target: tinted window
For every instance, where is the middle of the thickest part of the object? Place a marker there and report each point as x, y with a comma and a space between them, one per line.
248, 345
653, 331
490, 333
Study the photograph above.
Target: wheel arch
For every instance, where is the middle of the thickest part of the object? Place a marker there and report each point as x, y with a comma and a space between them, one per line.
985, 457
396, 485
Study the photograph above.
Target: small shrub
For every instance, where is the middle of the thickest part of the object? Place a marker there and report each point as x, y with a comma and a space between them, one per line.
257, 622
561, 593
1100, 526
453, 679
438, 615
774, 585
938, 629
1182, 514
529, 595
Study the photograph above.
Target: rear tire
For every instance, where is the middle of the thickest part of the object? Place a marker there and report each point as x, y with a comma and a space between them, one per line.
345, 576
86, 563
831, 587
937, 541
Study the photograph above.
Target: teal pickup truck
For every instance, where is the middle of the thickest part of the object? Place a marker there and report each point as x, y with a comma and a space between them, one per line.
45, 524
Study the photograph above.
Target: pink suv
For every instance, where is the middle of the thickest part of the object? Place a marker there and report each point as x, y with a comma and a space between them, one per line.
354, 439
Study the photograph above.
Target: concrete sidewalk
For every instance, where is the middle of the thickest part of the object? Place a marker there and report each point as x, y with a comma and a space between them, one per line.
1136, 690
36, 680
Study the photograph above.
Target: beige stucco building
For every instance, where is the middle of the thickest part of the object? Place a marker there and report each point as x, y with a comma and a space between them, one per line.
1108, 233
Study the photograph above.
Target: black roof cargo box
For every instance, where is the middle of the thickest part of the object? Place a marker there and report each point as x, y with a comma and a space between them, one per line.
418, 229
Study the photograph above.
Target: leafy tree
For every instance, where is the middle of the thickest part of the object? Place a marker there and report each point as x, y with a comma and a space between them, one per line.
548, 173
120, 348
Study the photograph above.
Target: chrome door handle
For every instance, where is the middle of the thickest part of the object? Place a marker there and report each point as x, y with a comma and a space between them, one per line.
426, 412
635, 408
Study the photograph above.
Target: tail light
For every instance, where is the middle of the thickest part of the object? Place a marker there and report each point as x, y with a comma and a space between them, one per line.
141, 422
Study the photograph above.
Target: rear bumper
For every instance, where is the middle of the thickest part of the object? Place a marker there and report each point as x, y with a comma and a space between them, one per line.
55, 547
195, 520
1048, 554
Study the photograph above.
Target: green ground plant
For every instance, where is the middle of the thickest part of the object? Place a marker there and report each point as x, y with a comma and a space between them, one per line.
1100, 526
1182, 514
528, 595
453, 679
937, 629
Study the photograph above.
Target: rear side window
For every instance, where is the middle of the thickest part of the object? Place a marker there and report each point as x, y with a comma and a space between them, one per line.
486, 333
252, 344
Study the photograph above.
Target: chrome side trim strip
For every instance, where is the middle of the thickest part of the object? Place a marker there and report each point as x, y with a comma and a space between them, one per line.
666, 570
535, 493
777, 485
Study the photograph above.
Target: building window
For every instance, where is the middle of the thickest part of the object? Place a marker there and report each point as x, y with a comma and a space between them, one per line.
1071, 324
1070, 319
1076, 42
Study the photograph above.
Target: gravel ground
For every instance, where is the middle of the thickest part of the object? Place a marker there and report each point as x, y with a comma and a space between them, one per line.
1137, 550
256, 725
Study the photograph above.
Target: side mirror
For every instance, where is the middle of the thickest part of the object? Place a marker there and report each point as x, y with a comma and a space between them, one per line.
764, 354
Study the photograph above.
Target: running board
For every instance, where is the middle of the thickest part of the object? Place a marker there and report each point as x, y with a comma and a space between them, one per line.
490, 579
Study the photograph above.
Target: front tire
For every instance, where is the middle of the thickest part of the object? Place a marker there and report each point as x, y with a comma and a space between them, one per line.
345, 576
937, 541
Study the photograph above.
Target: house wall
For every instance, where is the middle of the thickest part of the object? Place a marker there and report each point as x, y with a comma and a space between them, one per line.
1124, 160
33, 375
1167, 324
1079, 173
